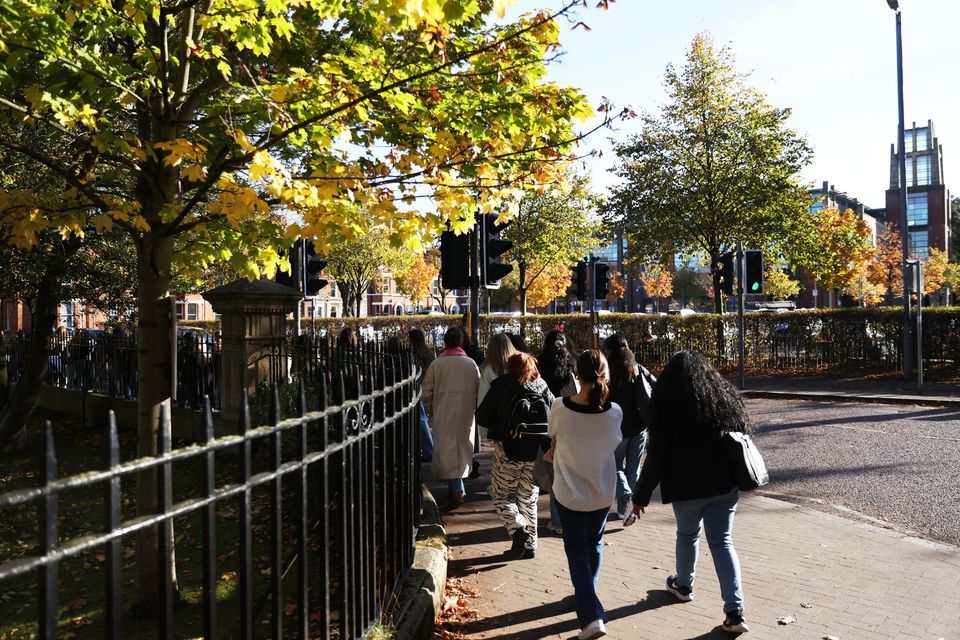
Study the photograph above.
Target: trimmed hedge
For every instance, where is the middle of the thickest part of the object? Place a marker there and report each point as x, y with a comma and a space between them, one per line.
851, 340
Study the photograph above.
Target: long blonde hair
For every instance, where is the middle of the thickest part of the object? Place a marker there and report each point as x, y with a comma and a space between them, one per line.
499, 350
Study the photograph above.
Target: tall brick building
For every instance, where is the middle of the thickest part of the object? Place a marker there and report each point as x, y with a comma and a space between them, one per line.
928, 199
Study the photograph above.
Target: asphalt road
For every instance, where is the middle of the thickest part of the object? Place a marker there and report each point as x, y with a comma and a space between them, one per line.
897, 464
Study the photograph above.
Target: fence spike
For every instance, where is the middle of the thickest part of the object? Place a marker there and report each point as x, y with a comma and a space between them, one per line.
114, 586
48, 541
274, 404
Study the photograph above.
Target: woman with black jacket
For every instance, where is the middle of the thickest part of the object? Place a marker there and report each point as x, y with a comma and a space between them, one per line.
623, 390
512, 486
691, 408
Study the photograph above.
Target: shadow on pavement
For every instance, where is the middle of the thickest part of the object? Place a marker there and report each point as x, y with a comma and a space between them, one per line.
480, 536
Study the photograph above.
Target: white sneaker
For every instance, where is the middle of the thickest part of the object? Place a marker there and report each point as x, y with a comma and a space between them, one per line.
628, 516
593, 630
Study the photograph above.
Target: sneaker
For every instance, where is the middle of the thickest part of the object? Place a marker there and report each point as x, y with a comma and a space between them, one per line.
475, 470
555, 529
683, 594
628, 516
735, 623
593, 630
456, 499
528, 554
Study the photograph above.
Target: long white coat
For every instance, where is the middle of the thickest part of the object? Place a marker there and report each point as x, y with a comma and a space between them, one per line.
450, 397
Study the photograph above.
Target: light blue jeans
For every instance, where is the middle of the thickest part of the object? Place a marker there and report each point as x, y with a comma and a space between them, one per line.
716, 515
627, 456
455, 485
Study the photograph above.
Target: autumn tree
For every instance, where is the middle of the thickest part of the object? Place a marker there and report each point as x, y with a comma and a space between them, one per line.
551, 284
168, 118
885, 268
834, 248
552, 229
717, 164
416, 278
777, 283
951, 277
616, 287
690, 283
934, 271
657, 281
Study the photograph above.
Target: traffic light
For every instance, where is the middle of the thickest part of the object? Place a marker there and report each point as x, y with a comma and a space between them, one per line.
726, 273
600, 270
492, 246
313, 265
290, 278
753, 283
580, 280
454, 260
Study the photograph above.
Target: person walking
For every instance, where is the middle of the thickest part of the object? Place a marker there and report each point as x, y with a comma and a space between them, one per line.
450, 398
422, 356
624, 372
515, 411
557, 365
691, 408
585, 430
499, 350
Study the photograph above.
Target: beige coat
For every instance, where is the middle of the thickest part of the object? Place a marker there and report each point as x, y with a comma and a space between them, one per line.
450, 397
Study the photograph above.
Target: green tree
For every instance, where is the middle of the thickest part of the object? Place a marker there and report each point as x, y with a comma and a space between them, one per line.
777, 283
954, 252
687, 285
357, 264
833, 248
553, 227
717, 164
190, 117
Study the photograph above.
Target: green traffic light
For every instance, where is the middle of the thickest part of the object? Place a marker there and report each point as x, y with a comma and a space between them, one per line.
756, 285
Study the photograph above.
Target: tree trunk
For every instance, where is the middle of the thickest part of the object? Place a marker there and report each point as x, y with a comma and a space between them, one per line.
718, 306
14, 416
523, 287
155, 369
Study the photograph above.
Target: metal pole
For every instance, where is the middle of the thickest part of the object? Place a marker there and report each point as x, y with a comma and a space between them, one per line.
475, 285
919, 326
590, 300
741, 270
904, 243
300, 285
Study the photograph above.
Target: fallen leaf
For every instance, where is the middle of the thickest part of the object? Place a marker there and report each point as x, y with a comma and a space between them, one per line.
229, 575
806, 605
836, 638
786, 620
289, 609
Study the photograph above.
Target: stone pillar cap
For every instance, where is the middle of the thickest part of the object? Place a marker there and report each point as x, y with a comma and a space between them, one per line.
255, 295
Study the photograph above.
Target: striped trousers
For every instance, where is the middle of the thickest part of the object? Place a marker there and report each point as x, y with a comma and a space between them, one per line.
514, 494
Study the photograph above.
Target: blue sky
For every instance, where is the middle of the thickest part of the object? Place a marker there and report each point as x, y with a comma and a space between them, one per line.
832, 61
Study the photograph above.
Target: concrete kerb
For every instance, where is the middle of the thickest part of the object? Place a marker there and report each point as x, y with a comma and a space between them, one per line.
830, 396
422, 593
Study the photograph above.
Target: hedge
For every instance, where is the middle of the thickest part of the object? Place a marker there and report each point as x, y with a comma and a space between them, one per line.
850, 340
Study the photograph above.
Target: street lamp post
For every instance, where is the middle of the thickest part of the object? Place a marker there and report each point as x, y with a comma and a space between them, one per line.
904, 246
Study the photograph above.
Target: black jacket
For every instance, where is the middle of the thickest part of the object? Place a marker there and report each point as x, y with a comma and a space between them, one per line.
626, 396
494, 412
686, 466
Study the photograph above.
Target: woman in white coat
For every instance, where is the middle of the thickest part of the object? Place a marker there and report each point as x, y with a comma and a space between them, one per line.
450, 396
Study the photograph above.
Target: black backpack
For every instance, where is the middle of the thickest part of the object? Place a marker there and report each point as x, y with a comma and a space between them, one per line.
526, 426
644, 384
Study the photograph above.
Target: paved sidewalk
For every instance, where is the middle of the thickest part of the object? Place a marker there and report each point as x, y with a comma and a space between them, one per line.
836, 577
887, 389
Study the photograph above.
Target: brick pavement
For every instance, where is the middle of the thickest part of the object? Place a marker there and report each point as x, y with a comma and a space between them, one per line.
860, 580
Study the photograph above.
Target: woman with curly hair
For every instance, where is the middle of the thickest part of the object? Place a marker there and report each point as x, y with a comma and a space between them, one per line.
692, 407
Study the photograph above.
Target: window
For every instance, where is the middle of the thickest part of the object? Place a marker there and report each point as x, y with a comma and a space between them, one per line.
68, 312
180, 311
333, 289
816, 206
922, 138
908, 140
918, 244
916, 209
923, 169
192, 309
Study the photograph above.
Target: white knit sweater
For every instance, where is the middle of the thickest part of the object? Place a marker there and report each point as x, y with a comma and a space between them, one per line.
584, 472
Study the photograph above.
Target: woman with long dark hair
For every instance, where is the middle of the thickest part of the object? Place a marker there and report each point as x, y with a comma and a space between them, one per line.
585, 428
623, 390
422, 356
557, 365
692, 407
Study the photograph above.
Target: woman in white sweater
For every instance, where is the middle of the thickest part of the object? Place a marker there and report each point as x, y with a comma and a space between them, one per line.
585, 428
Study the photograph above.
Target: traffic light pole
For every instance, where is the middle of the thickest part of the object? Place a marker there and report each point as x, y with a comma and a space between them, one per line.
301, 261
593, 303
741, 273
475, 286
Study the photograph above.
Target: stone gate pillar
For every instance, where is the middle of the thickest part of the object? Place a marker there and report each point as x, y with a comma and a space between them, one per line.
253, 321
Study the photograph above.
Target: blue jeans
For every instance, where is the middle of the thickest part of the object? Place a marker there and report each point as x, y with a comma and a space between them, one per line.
426, 438
583, 544
716, 514
554, 514
627, 456
455, 485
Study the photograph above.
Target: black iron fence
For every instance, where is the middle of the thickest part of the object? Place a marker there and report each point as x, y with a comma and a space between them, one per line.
311, 519
105, 362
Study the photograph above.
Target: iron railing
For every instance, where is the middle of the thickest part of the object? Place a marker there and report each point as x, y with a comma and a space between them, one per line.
336, 489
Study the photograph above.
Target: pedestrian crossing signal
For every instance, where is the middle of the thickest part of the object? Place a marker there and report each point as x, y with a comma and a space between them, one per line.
753, 282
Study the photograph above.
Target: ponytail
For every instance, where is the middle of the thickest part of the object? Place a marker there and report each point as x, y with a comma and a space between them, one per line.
592, 368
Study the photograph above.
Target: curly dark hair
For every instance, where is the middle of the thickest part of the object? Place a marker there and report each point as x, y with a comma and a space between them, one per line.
691, 395
555, 363
622, 362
